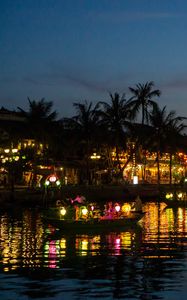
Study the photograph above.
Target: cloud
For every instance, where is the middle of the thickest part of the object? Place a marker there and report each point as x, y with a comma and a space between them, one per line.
86, 83
59, 79
179, 82
90, 80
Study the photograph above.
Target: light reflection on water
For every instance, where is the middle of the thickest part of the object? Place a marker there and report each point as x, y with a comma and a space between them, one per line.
145, 262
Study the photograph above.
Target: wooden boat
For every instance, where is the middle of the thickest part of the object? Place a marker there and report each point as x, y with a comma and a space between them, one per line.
101, 224
91, 217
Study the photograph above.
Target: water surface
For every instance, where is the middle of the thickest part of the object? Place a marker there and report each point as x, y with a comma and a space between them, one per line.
145, 262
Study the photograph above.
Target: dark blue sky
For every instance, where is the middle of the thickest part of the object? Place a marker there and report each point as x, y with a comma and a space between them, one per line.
71, 50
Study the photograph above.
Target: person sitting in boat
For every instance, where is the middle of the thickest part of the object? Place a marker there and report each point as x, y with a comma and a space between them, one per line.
137, 206
79, 199
108, 211
81, 212
117, 210
58, 203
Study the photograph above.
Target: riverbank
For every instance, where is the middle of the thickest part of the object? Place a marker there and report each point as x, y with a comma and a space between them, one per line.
30, 197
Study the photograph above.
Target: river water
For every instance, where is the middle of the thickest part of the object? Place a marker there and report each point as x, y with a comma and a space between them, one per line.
146, 262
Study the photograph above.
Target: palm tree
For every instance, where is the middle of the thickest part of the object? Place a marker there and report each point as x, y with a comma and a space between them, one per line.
41, 125
142, 99
83, 127
39, 117
115, 117
174, 134
165, 128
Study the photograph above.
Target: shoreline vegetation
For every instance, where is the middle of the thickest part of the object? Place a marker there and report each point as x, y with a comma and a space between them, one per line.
26, 196
107, 142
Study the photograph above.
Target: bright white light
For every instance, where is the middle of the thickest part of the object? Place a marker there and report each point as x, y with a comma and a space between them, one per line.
84, 211
14, 150
117, 208
135, 179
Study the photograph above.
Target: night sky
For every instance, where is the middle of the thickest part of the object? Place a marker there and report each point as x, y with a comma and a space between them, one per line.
71, 50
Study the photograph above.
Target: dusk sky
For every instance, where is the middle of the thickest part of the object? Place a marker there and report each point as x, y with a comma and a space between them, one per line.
74, 50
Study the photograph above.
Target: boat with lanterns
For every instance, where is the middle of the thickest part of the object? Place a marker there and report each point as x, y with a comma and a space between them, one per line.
112, 216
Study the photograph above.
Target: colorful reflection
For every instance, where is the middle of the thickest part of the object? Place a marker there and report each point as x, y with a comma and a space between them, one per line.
91, 245
21, 239
164, 230
51, 254
163, 220
26, 242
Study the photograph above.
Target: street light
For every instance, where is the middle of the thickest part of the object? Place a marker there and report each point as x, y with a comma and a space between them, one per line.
95, 156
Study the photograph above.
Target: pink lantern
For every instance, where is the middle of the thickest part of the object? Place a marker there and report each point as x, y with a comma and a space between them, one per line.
52, 178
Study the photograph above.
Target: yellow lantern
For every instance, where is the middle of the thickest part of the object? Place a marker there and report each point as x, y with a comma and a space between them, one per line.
63, 211
126, 208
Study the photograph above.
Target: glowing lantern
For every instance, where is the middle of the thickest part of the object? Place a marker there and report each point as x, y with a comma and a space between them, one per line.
84, 211
52, 178
63, 211
126, 208
14, 150
47, 182
117, 207
179, 195
169, 195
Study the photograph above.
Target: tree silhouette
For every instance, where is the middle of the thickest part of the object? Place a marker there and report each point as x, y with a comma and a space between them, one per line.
40, 120
142, 99
39, 117
165, 128
83, 127
115, 117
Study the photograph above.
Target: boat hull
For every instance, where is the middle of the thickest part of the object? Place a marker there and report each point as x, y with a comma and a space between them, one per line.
95, 224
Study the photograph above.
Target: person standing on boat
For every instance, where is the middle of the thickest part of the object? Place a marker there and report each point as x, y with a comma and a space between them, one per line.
80, 199
137, 206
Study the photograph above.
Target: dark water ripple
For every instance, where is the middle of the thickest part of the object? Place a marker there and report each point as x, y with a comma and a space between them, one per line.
148, 262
